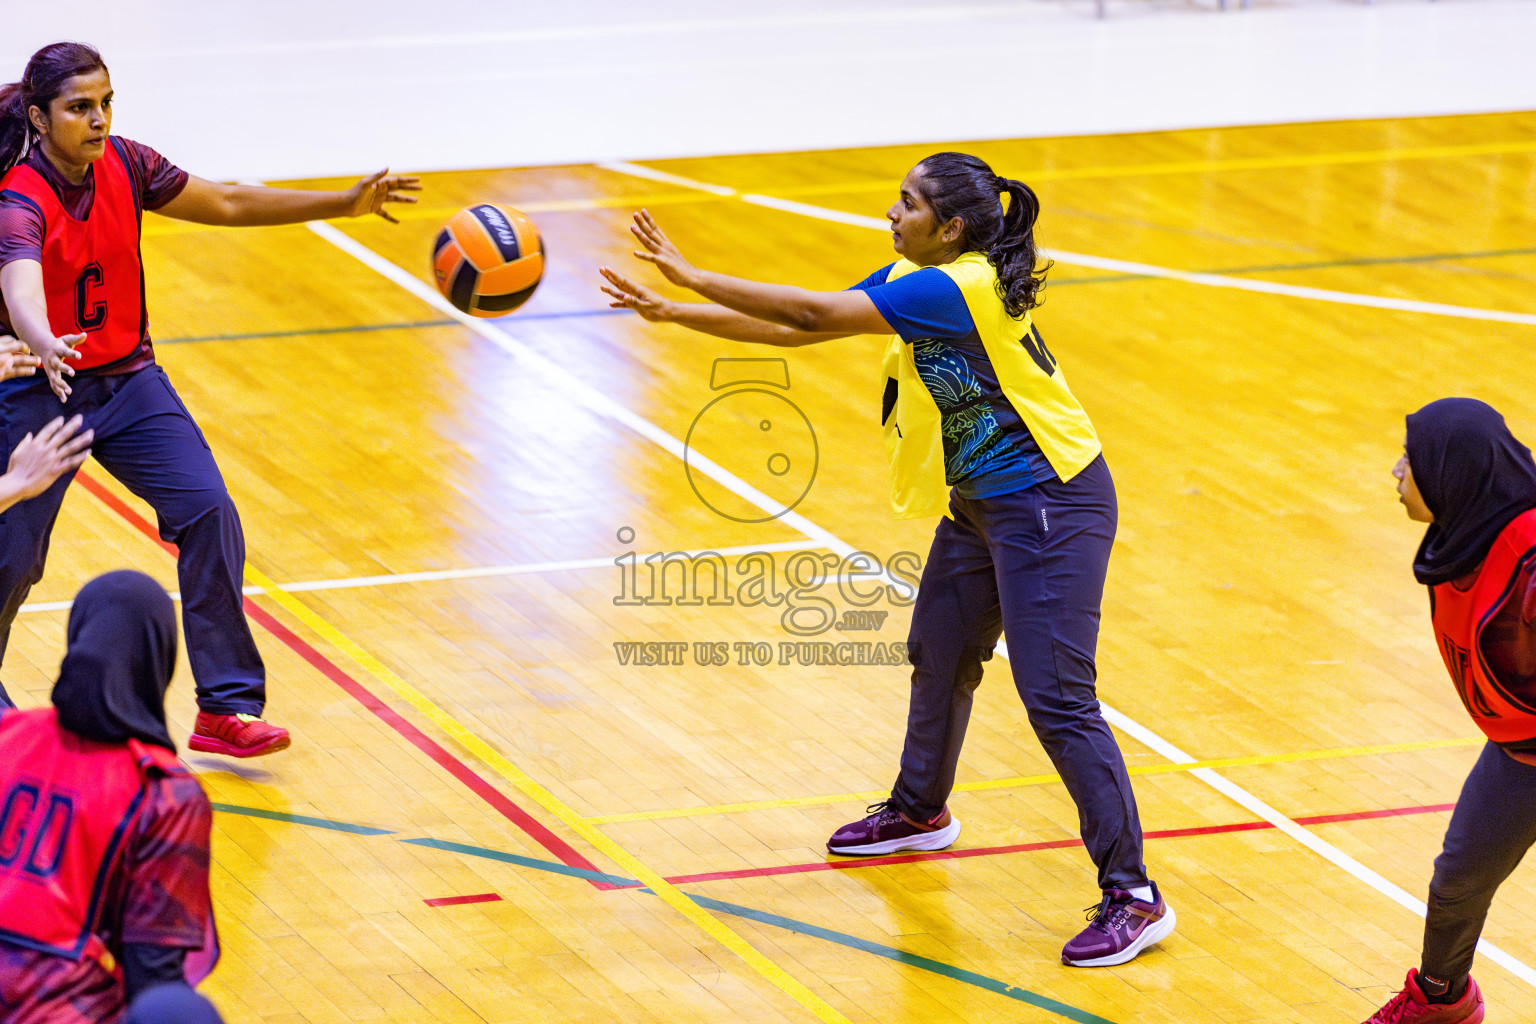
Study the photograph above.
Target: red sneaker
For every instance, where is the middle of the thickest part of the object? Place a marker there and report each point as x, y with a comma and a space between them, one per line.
236, 735
1411, 1007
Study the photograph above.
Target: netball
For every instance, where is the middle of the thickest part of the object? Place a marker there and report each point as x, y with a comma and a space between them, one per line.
488, 259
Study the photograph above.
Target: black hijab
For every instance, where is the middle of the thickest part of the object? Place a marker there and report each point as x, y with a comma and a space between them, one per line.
122, 651
1474, 477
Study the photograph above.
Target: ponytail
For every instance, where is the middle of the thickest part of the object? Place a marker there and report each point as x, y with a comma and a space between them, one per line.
40, 85
1020, 276
15, 128
961, 185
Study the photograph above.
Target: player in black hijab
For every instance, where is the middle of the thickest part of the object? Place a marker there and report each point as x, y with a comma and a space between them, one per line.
1466, 475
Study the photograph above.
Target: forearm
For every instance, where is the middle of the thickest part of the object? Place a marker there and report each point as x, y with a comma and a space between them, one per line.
10, 491
799, 309
257, 205
25, 303
721, 322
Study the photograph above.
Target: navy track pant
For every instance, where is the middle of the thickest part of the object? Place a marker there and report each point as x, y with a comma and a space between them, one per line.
1493, 826
1031, 566
147, 440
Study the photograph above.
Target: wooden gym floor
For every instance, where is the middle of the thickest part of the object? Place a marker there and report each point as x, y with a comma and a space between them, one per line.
479, 782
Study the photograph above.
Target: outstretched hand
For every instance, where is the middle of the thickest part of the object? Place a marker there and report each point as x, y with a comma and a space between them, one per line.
16, 359
51, 357
380, 187
42, 458
658, 249
626, 294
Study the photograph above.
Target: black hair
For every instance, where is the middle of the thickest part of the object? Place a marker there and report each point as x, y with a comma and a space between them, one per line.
961, 185
40, 85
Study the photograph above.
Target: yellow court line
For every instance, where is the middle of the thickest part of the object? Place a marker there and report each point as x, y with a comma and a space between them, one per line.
551, 803
1034, 780
1258, 163
164, 226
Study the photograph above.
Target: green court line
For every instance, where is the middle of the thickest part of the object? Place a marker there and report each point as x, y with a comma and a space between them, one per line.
910, 959
1363, 261
922, 963
409, 325
527, 862
799, 927
301, 819
403, 325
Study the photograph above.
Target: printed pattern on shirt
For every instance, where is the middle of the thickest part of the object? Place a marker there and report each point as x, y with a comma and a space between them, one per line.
988, 449
157, 896
975, 443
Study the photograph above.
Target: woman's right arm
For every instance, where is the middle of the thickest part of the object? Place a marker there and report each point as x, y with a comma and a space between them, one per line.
21, 282
706, 317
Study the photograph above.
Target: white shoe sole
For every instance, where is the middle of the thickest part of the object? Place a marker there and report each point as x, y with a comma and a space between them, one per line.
1155, 932
945, 836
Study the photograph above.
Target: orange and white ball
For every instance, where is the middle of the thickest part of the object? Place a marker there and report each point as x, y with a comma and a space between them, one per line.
488, 259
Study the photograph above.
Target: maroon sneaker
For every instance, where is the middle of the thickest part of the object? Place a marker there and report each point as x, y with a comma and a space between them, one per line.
236, 735
1410, 1006
887, 830
1118, 928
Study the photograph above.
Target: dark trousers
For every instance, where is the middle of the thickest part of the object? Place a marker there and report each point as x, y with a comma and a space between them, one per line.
1029, 565
145, 438
1494, 824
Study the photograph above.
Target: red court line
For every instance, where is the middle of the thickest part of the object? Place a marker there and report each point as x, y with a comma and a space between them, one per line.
1054, 844
1391, 812
558, 847
454, 901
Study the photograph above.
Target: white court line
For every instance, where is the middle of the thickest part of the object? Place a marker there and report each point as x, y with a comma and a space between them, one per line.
1127, 267
1308, 839
651, 174
601, 404
432, 576
1151, 739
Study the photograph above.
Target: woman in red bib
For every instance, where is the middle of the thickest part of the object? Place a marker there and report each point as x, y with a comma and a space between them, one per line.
1464, 474
72, 198
103, 832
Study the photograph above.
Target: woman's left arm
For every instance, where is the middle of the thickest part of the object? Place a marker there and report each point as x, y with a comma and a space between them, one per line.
846, 312
211, 202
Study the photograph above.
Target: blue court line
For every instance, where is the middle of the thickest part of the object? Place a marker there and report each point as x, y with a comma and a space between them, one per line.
922, 963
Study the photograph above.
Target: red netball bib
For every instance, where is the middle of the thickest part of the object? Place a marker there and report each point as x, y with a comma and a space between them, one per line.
1459, 619
66, 805
93, 276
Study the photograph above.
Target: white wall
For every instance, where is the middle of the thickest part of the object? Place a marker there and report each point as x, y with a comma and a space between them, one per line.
286, 88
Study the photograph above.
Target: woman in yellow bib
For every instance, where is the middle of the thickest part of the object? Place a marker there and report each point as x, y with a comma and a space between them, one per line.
982, 428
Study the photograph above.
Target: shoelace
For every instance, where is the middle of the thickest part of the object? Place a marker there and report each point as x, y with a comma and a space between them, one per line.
887, 814
1107, 913
1395, 1010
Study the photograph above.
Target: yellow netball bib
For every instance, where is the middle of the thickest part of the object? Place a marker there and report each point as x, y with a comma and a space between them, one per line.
1026, 372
